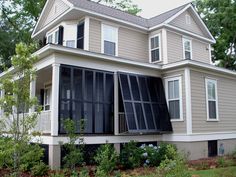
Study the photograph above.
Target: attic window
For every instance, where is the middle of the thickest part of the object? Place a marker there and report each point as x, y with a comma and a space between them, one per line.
188, 19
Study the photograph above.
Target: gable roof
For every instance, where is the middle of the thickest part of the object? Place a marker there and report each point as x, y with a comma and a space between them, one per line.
96, 9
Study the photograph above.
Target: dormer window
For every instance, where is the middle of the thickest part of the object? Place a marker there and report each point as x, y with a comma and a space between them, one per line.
155, 49
56, 37
50, 37
109, 40
187, 48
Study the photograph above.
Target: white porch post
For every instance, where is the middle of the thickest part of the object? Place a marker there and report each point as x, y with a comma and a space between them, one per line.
55, 99
116, 105
32, 93
2, 92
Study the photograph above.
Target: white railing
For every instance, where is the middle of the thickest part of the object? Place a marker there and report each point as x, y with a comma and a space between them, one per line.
44, 122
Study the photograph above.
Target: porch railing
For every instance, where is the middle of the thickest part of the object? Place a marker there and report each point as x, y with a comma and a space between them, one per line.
44, 122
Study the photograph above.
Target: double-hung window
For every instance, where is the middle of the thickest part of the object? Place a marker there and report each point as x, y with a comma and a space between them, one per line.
50, 38
56, 40
187, 47
174, 97
155, 48
212, 101
109, 40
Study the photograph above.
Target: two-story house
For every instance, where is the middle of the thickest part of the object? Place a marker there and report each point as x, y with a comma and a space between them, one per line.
131, 78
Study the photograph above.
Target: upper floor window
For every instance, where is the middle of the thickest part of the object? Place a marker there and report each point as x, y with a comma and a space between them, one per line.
109, 40
174, 97
50, 38
80, 36
187, 47
155, 48
56, 37
212, 100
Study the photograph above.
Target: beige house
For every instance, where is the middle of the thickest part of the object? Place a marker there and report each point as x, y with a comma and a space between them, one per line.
130, 78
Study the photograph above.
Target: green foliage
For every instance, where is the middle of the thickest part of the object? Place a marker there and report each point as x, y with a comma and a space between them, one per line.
6, 153
220, 17
84, 172
57, 174
130, 156
124, 5
106, 158
221, 162
74, 154
39, 169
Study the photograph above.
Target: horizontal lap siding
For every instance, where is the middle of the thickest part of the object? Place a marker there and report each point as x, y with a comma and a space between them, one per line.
95, 36
201, 51
226, 104
133, 45
174, 47
179, 127
181, 23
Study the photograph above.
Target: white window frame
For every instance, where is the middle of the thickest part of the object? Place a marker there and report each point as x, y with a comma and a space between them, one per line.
188, 19
56, 42
214, 81
150, 48
53, 33
191, 48
167, 80
45, 103
116, 36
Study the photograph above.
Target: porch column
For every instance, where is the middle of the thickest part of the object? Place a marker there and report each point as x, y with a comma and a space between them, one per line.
55, 99
32, 93
54, 157
2, 92
116, 105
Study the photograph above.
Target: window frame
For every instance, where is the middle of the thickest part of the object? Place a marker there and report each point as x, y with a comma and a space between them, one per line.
214, 81
191, 48
53, 34
47, 102
167, 80
150, 48
116, 37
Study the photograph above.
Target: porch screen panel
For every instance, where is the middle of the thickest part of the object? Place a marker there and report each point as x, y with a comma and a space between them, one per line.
144, 103
87, 95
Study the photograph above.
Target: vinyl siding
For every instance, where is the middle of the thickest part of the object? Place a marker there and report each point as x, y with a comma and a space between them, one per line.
179, 127
180, 22
133, 45
226, 104
95, 36
52, 14
200, 50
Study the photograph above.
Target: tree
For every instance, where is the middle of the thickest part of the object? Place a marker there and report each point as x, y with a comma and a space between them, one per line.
17, 19
16, 103
220, 17
124, 5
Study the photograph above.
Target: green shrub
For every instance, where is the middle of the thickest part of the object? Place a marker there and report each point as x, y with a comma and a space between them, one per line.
106, 158
84, 172
221, 162
57, 174
39, 169
130, 156
173, 168
6, 153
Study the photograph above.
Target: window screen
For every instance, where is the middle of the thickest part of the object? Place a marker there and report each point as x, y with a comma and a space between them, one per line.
211, 98
144, 104
155, 49
80, 36
87, 95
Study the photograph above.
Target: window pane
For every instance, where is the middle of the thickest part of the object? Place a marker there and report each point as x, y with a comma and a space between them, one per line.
212, 109
135, 88
109, 121
156, 112
140, 118
149, 117
77, 85
174, 109
65, 83
171, 89
50, 39
143, 88
125, 87
187, 55
56, 37
152, 84
176, 89
88, 116
187, 45
109, 48
99, 87
211, 90
80, 36
99, 118
88, 86
77, 114
130, 116
80, 43
70, 43
109, 33
155, 55
155, 42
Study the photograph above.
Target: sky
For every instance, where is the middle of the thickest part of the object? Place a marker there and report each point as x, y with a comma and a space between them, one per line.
151, 8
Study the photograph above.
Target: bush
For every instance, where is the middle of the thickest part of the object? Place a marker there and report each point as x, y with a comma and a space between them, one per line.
39, 170
106, 158
173, 168
6, 153
84, 172
130, 156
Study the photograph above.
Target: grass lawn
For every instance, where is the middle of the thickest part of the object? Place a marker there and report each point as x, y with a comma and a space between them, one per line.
220, 172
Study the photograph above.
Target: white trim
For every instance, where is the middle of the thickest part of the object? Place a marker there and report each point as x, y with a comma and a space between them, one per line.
68, 3
164, 46
210, 55
184, 39
160, 48
102, 37
86, 33
214, 81
116, 104
179, 78
188, 101
189, 33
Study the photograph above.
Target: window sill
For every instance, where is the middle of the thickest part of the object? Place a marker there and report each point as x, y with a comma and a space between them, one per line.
212, 120
177, 120
155, 62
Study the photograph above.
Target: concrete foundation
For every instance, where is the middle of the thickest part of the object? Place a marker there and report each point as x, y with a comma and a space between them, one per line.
54, 157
